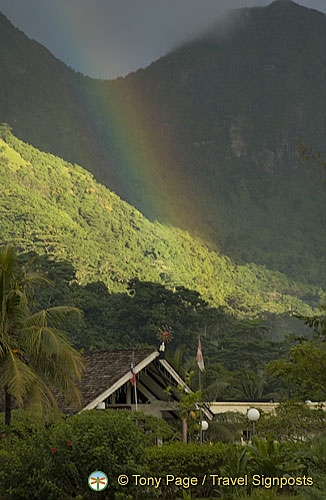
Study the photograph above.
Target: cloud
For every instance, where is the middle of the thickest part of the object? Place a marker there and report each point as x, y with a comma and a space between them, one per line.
109, 38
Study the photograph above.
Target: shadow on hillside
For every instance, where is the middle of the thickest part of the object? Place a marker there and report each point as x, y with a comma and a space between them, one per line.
134, 318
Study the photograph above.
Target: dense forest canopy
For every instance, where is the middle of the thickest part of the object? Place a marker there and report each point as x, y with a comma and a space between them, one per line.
130, 276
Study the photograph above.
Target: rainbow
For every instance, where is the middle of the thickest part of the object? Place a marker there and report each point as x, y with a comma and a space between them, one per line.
148, 171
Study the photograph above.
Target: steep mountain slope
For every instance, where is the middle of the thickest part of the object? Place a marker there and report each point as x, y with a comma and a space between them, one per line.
39, 97
229, 107
59, 210
205, 138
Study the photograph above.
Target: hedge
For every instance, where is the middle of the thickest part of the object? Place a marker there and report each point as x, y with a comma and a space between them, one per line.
56, 462
187, 460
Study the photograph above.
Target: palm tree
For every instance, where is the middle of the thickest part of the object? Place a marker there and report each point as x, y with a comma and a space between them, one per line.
35, 357
249, 386
226, 427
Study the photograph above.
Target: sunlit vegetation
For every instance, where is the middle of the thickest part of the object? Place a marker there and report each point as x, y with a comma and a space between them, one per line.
55, 209
130, 275
204, 138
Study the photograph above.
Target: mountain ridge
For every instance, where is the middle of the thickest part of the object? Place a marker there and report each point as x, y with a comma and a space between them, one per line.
204, 138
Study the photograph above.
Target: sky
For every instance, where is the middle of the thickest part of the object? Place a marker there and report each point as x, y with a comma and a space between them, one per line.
111, 38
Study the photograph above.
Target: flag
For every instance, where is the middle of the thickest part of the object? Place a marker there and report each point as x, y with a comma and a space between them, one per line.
132, 374
200, 359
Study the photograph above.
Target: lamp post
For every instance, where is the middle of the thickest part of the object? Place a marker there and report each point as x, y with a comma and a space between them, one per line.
203, 427
253, 415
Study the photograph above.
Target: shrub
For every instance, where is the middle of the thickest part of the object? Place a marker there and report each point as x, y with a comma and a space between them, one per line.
313, 454
186, 460
155, 428
28, 422
56, 462
265, 494
292, 420
272, 458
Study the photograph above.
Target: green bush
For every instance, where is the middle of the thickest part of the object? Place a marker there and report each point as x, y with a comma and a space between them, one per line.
155, 428
264, 458
56, 462
24, 471
265, 494
272, 458
28, 422
313, 454
186, 460
292, 420
34, 460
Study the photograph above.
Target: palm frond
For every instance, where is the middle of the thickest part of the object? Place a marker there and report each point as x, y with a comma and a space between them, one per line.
35, 320
226, 427
249, 386
16, 303
35, 357
16, 375
5, 344
61, 313
216, 390
62, 377
53, 315
223, 432
50, 350
31, 277
40, 396
39, 340
8, 259
51, 341
67, 361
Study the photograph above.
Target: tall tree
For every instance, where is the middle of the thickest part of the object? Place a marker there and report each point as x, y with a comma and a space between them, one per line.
35, 356
304, 371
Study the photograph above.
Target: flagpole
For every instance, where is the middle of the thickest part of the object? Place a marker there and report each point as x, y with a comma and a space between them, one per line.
201, 366
200, 410
135, 385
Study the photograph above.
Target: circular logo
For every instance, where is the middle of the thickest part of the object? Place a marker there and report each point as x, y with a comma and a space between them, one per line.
97, 480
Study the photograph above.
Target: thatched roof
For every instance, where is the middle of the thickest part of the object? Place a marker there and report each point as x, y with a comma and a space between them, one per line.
104, 369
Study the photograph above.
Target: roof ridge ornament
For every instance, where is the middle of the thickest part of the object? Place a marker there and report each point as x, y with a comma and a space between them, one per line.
165, 335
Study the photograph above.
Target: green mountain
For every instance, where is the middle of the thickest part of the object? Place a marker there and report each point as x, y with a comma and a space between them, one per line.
204, 139
58, 210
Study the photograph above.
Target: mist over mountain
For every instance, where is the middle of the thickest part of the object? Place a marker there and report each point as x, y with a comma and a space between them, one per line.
204, 138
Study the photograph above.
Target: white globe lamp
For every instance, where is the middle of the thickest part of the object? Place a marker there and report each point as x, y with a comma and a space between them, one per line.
253, 415
204, 425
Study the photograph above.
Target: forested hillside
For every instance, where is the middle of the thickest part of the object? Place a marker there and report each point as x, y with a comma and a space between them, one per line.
203, 139
56, 209
131, 276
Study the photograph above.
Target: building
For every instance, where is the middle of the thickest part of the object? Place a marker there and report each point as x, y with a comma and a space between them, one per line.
106, 383
217, 407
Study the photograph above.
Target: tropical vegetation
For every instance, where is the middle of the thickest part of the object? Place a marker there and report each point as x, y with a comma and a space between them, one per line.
224, 239
129, 275
35, 356
35, 457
